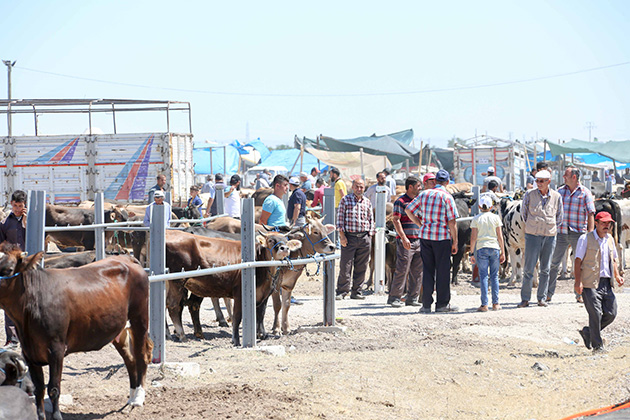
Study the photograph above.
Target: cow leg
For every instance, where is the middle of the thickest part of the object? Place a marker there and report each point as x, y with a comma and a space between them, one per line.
236, 321
142, 353
37, 376
457, 259
277, 305
122, 344
261, 308
216, 304
194, 306
175, 296
55, 359
286, 304
228, 308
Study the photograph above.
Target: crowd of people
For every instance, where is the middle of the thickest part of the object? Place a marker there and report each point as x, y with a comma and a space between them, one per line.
425, 220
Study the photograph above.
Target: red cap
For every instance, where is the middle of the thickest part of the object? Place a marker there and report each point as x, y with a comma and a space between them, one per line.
604, 216
428, 176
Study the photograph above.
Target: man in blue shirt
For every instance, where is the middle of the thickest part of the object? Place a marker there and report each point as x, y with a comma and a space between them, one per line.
273, 210
297, 204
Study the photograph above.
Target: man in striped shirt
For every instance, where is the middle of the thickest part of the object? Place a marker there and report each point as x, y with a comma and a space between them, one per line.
579, 218
355, 224
435, 212
408, 258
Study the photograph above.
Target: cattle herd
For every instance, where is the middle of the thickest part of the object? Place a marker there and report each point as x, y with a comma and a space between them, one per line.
55, 306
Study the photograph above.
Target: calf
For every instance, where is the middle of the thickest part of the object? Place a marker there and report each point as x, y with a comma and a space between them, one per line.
190, 252
514, 238
314, 239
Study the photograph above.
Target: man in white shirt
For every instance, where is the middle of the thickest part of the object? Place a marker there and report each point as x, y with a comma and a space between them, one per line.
391, 182
371, 192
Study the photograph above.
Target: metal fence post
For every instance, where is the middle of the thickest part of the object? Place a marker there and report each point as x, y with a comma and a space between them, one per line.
329, 266
609, 186
475, 208
99, 233
379, 241
36, 216
248, 278
157, 291
219, 198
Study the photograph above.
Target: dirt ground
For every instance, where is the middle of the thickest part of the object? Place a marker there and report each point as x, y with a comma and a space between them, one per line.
389, 363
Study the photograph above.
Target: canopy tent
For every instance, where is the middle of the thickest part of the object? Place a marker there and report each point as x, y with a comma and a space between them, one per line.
349, 163
618, 151
395, 146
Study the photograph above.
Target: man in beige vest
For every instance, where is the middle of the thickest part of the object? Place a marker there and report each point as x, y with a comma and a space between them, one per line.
542, 213
595, 265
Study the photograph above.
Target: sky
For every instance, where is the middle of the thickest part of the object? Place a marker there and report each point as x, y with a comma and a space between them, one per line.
273, 70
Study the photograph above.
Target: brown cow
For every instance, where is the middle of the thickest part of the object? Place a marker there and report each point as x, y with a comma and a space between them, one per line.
185, 251
314, 237
260, 195
63, 311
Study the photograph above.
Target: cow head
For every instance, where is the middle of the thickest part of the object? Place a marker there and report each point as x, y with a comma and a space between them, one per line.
192, 212
12, 367
315, 234
13, 261
279, 245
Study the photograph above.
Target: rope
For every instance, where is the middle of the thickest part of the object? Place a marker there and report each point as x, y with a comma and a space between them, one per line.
9, 277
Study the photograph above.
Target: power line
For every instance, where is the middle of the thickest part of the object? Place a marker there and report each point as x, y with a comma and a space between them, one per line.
333, 95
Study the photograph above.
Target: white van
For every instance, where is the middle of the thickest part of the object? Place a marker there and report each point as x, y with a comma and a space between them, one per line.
250, 176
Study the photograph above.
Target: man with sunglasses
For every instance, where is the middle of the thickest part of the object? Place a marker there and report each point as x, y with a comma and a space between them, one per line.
542, 213
579, 218
595, 266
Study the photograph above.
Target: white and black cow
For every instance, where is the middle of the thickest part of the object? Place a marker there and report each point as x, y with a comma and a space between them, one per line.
514, 237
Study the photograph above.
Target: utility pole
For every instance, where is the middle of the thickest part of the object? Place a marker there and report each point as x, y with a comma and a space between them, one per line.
590, 126
9, 65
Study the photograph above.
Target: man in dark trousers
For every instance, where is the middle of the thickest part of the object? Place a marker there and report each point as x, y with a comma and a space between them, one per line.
408, 274
355, 223
13, 230
435, 212
595, 275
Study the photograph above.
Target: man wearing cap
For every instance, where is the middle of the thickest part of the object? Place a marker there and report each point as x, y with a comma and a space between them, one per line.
542, 213
435, 212
408, 252
207, 187
355, 224
158, 200
389, 179
579, 213
313, 176
492, 177
296, 208
273, 211
318, 195
428, 181
531, 178
595, 265
371, 191
211, 206
306, 184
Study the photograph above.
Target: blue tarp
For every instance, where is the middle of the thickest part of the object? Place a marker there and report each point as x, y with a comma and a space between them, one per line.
288, 157
201, 159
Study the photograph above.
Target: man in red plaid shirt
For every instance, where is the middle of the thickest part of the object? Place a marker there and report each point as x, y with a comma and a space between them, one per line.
355, 224
435, 212
579, 218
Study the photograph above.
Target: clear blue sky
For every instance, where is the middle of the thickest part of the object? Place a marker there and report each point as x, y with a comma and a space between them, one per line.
311, 55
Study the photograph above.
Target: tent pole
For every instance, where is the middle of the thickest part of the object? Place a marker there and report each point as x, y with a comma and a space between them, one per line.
211, 171
420, 160
225, 161
294, 163
318, 164
362, 172
302, 158
545, 152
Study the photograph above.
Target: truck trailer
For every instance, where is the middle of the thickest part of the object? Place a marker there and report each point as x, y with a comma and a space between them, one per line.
72, 167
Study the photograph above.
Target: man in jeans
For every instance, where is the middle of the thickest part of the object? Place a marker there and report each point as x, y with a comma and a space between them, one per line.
579, 218
542, 214
408, 256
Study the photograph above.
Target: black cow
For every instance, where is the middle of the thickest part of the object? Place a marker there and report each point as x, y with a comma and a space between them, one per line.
463, 205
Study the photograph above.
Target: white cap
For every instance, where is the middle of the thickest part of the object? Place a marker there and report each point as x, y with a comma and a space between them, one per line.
544, 174
158, 194
486, 200
294, 180
491, 169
